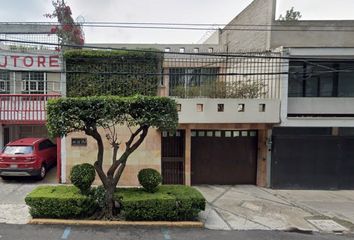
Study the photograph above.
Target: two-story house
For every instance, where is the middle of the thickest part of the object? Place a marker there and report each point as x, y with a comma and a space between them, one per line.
30, 74
312, 147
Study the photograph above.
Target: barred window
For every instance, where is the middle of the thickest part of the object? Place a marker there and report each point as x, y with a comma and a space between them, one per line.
192, 82
33, 82
4, 82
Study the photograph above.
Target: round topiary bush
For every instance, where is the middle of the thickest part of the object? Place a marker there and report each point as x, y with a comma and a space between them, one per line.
150, 179
82, 176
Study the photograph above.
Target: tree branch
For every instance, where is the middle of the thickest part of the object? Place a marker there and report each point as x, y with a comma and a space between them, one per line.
129, 149
133, 135
92, 131
142, 136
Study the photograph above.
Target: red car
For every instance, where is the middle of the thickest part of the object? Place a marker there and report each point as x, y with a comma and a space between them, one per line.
28, 157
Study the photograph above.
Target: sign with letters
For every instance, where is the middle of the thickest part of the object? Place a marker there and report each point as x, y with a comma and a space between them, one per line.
30, 61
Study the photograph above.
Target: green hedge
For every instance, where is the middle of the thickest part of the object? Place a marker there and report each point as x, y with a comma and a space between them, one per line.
169, 203
59, 202
119, 72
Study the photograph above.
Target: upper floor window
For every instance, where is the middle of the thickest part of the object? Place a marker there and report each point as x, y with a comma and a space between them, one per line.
321, 79
33, 82
4, 82
192, 82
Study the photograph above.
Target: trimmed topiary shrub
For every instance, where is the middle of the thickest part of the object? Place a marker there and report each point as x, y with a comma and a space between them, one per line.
82, 176
59, 202
150, 179
169, 203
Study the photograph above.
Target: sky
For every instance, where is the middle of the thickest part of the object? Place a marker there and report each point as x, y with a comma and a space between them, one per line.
175, 11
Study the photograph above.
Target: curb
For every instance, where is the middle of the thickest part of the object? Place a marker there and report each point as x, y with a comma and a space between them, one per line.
188, 224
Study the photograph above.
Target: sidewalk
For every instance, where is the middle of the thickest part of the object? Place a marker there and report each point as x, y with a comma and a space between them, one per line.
13, 209
253, 208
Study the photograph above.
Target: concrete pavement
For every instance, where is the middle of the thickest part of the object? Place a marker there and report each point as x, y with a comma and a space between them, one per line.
253, 208
13, 209
230, 207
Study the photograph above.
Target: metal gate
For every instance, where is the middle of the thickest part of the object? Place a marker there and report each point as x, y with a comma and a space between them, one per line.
224, 157
313, 162
172, 159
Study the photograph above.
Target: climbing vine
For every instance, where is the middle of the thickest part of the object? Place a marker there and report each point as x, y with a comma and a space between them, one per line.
119, 73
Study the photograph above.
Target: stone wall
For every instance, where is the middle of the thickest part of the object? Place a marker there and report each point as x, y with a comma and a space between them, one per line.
148, 155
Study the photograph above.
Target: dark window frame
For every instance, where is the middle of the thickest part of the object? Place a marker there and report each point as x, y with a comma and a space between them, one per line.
307, 76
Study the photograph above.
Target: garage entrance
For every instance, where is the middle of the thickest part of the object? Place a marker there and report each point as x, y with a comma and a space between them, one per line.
13, 132
223, 157
313, 158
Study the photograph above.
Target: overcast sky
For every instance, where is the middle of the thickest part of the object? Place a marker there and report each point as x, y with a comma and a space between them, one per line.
177, 11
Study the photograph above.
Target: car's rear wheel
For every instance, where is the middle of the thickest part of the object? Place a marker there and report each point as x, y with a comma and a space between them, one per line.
42, 172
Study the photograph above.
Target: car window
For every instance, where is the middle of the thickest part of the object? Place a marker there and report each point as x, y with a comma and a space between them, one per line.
12, 150
50, 144
45, 144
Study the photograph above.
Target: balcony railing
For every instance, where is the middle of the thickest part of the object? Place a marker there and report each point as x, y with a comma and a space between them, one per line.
24, 108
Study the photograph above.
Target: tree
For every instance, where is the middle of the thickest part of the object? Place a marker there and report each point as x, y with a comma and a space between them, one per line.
291, 15
68, 31
89, 114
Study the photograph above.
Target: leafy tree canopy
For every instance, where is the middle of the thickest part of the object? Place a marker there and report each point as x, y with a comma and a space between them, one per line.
66, 115
291, 15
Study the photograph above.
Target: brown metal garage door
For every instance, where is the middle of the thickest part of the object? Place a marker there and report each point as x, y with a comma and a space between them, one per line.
224, 157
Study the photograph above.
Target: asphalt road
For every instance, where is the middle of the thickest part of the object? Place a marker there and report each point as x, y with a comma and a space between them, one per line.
45, 232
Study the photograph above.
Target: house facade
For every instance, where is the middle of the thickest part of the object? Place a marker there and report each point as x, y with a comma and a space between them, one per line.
312, 147
261, 102
30, 75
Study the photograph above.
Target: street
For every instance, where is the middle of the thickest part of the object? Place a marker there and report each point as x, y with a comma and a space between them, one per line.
46, 232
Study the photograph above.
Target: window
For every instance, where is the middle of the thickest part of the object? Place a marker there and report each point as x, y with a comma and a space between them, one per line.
179, 107
220, 107
182, 50
321, 79
201, 133
33, 82
241, 107
244, 133
167, 49
196, 50
4, 81
200, 107
45, 144
16, 150
192, 82
262, 107
210, 50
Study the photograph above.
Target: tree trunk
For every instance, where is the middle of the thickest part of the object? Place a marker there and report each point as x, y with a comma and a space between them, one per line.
108, 211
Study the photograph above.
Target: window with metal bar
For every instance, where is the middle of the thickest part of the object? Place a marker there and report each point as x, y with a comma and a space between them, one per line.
192, 82
4, 82
33, 83
321, 79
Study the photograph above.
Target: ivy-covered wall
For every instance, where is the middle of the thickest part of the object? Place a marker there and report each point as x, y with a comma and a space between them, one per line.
120, 73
